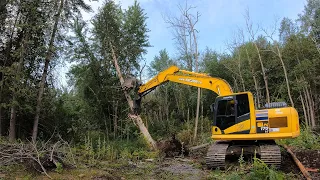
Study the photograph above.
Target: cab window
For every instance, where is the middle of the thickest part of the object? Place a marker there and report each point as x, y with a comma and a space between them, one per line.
225, 116
242, 105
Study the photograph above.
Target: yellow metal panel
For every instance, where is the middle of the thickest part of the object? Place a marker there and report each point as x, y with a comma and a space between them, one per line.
201, 80
253, 129
242, 126
217, 85
215, 130
262, 136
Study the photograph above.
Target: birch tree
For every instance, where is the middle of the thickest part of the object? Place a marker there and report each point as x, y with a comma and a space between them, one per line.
276, 49
187, 42
252, 32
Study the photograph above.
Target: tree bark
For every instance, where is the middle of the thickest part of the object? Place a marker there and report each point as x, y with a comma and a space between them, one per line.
235, 84
304, 110
201, 116
136, 118
197, 116
191, 24
303, 105
311, 108
263, 74
13, 114
239, 69
307, 105
285, 75
254, 79
167, 106
45, 72
252, 33
188, 118
0, 119
1, 89
12, 128
115, 120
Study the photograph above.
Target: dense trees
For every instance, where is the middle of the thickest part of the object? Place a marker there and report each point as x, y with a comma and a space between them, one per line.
34, 40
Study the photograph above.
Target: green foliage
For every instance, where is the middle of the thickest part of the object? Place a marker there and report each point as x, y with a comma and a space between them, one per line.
161, 62
261, 171
185, 136
27, 177
241, 160
308, 139
96, 149
59, 168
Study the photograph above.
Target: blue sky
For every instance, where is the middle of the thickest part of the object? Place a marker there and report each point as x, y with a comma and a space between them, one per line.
218, 22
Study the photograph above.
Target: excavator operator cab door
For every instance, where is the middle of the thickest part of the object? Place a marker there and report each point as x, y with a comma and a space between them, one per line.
231, 110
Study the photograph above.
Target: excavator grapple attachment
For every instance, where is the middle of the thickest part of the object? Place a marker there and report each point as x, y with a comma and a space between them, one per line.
132, 85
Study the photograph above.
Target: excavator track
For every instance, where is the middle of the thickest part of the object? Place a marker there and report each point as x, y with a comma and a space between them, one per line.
216, 155
270, 154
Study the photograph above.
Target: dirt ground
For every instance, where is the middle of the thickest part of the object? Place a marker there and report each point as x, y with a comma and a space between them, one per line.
310, 159
190, 167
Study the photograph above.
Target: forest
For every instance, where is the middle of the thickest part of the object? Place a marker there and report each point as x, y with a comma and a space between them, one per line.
89, 122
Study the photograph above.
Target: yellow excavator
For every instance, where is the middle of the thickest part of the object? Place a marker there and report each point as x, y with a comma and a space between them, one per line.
237, 126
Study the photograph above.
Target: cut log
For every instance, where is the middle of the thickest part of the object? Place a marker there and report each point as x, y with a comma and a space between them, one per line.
199, 147
298, 163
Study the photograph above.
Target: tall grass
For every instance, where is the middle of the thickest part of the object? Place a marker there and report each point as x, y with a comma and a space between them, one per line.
97, 148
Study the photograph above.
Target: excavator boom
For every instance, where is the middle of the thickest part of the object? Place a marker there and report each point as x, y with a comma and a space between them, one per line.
174, 74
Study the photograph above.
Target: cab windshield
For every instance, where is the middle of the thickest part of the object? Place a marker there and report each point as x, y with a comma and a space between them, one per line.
225, 113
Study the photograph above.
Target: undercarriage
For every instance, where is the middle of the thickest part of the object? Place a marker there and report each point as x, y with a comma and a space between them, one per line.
221, 151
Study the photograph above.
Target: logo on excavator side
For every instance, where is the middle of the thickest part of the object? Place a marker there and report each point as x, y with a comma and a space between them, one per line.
190, 80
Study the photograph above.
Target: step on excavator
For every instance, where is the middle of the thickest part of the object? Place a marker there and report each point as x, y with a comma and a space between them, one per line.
237, 127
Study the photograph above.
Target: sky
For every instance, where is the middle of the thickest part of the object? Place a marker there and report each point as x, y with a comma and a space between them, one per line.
218, 23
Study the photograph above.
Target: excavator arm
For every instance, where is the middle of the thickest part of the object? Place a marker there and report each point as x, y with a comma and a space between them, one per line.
174, 74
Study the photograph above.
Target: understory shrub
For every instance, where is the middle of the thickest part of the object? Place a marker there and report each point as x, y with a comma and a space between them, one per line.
98, 148
308, 139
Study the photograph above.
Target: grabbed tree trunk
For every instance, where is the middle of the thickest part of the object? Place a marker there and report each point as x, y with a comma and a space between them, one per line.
136, 118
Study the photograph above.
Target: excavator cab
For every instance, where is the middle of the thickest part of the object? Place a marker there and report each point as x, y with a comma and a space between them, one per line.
231, 110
